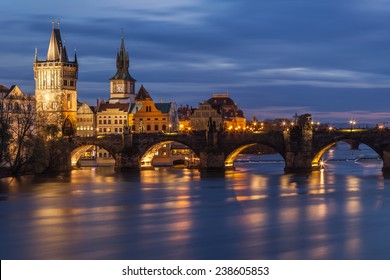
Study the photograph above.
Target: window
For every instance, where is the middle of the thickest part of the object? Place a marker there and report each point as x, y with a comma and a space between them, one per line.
120, 121
156, 127
148, 127
164, 127
69, 103
116, 121
100, 121
109, 121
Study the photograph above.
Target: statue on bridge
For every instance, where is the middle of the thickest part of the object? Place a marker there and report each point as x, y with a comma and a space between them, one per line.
211, 125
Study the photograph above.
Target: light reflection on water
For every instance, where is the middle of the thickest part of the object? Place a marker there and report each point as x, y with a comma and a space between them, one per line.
254, 212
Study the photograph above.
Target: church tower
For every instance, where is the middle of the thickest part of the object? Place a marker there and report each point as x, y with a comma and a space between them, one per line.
56, 86
122, 85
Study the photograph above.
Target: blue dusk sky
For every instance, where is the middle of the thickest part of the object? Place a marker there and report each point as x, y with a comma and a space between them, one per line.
330, 58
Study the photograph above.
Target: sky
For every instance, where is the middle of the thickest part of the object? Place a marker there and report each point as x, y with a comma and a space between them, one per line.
329, 58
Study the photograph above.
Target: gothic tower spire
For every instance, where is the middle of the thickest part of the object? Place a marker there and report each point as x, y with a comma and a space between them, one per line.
122, 84
56, 86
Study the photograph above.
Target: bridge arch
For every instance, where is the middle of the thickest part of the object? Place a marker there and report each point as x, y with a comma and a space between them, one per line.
232, 155
147, 156
79, 150
354, 144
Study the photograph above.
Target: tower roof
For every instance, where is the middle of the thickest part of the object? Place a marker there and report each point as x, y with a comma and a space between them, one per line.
55, 46
142, 94
56, 50
122, 64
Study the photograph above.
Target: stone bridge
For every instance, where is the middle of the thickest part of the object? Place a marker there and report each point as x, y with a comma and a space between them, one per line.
301, 146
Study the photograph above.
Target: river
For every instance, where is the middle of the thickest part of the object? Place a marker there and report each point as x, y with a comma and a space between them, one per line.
254, 212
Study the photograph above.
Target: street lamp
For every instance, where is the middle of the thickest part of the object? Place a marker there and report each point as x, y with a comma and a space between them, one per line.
352, 123
284, 125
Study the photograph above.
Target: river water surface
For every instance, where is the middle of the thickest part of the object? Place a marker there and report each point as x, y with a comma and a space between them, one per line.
253, 212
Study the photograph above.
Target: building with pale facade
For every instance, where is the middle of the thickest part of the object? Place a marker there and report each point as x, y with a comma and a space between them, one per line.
86, 120
222, 111
112, 118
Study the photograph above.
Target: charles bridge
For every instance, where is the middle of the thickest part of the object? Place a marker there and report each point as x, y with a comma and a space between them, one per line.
301, 146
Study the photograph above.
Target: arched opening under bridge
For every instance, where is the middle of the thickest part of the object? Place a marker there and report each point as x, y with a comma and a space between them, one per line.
92, 155
255, 153
169, 154
340, 153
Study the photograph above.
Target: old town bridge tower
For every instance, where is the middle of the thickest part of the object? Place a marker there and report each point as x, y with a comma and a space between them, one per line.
56, 86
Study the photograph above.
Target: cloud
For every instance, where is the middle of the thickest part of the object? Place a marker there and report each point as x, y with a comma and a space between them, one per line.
266, 54
331, 78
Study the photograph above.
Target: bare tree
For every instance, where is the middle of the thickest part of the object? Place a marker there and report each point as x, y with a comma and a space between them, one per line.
21, 121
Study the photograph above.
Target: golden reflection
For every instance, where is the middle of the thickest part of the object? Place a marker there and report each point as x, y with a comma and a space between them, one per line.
259, 182
322, 177
254, 219
182, 225
247, 197
61, 212
284, 181
181, 203
84, 175
320, 252
353, 206
352, 183
165, 175
288, 194
289, 215
353, 246
318, 211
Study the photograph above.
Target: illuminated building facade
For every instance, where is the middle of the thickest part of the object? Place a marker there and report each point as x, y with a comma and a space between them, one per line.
184, 114
86, 120
112, 118
56, 86
145, 116
222, 110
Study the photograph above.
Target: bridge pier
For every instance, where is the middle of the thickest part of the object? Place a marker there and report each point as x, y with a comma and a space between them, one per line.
386, 162
298, 162
127, 162
298, 146
212, 161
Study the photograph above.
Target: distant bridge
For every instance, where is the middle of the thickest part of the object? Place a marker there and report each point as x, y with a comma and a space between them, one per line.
301, 146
